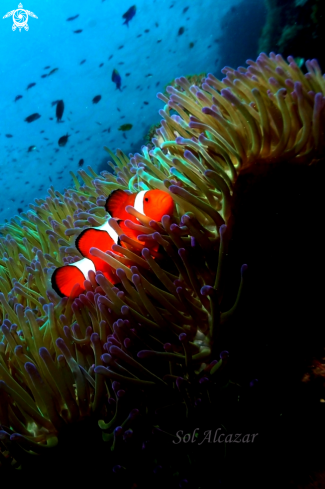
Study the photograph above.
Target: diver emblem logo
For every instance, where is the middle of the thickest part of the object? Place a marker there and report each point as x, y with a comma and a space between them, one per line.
20, 18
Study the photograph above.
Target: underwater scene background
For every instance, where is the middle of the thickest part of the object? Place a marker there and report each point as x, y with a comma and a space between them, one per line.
73, 61
161, 244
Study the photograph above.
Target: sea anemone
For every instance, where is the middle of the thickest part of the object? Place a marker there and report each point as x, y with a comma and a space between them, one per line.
117, 352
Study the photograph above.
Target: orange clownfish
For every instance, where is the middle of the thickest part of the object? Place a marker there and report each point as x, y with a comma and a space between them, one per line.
152, 203
101, 237
65, 278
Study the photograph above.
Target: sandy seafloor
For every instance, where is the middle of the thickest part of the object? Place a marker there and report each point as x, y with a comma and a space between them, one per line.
148, 55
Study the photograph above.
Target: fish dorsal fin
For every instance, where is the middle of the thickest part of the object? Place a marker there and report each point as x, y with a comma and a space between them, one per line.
116, 202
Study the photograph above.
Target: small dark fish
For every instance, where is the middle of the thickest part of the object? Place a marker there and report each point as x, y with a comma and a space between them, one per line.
185, 9
31, 148
18, 97
53, 71
119, 110
111, 56
116, 78
83, 61
96, 99
50, 179
63, 140
8, 135
72, 18
30, 85
147, 30
139, 35
159, 40
33, 117
129, 14
59, 110
20, 210
101, 64
43, 76
127, 74
181, 31
46, 67
125, 127
148, 75
42, 131
99, 123
81, 162
146, 103
120, 47
191, 45
124, 135
77, 31
156, 24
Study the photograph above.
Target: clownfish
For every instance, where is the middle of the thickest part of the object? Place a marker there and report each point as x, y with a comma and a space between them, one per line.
152, 203
65, 278
101, 237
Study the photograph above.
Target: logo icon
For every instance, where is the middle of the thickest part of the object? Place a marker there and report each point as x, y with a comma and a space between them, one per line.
20, 18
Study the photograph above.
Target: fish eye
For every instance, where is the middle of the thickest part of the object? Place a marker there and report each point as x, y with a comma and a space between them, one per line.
146, 199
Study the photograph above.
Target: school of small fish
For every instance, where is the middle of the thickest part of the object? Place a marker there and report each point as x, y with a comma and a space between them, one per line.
60, 111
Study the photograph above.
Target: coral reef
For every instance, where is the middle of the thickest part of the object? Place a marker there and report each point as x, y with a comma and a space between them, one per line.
117, 355
240, 29
290, 23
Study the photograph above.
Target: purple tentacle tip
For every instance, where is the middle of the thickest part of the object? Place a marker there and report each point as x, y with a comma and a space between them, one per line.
224, 355
204, 380
116, 386
118, 431
133, 414
183, 337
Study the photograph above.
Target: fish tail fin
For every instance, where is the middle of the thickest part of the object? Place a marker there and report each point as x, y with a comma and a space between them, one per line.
65, 278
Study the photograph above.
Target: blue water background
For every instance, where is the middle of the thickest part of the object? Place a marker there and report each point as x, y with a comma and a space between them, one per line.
222, 33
